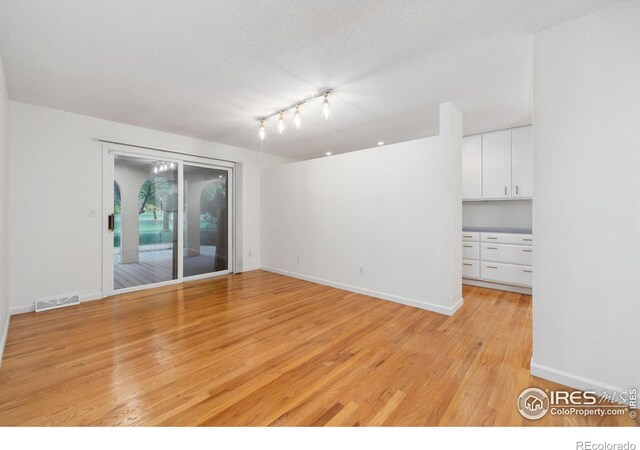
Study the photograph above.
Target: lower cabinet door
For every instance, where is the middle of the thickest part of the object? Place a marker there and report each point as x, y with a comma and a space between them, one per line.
506, 253
507, 273
470, 268
470, 250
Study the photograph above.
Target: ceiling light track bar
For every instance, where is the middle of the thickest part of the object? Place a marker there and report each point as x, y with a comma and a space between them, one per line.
295, 104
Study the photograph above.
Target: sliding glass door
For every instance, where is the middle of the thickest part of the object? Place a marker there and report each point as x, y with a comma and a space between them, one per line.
168, 219
145, 235
206, 220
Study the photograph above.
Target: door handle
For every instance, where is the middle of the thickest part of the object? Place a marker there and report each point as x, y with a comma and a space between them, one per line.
111, 223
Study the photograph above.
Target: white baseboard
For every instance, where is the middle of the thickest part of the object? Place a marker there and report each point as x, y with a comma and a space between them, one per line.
574, 381
498, 286
249, 269
30, 308
449, 311
3, 337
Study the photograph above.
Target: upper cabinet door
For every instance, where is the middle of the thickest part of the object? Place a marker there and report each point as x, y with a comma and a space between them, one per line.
472, 167
496, 164
522, 162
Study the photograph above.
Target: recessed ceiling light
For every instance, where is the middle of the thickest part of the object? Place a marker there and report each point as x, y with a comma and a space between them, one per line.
328, 153
380, 143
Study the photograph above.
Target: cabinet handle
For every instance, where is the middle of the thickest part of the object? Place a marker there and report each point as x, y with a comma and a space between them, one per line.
467, 264
468, 246
528, 251
466, 236
492, 248
492, 238
517, 189
527, 239
528, 271
505, 190
491, 267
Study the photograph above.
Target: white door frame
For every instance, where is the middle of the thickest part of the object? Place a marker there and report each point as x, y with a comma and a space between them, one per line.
109, 151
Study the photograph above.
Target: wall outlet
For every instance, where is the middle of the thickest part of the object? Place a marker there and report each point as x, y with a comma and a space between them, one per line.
298, 259
361, 270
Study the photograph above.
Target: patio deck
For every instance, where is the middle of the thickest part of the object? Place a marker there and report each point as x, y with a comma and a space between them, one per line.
156, 266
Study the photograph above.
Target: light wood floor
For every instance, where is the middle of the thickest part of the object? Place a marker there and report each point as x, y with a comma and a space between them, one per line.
264, 349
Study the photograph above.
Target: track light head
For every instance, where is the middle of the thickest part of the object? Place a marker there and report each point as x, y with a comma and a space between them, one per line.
325, 106
281, 123
261, 131
297, 118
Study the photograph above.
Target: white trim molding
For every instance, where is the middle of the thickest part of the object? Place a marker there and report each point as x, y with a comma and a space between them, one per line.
3, 338
498, 286
574, 381
449, 311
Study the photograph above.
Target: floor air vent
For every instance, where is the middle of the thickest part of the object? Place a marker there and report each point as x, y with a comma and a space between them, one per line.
57, 302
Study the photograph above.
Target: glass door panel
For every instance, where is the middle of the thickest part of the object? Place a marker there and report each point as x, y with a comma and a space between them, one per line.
145, 237
206, 220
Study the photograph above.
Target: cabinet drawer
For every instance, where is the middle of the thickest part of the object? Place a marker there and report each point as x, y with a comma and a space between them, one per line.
506, 273
507, 238
470, 236
470, 250
507, 253
470, 269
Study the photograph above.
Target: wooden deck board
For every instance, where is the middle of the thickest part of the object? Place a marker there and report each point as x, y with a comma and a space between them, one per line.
156, 266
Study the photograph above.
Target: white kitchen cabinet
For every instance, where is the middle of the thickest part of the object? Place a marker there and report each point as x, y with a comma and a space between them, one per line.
470, 268
472, 167
470, 250
507, 238
522, 162
506, 253
504, 260
472, 236
506, 273
496, 164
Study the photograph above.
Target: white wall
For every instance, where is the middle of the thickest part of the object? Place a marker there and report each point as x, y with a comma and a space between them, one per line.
394, 210
510, 214
586, 212
56, 170
4, 206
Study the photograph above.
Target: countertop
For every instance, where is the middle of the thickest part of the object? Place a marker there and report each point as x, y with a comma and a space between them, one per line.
499, 230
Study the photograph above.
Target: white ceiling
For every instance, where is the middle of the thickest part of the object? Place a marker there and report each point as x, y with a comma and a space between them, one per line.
207, 69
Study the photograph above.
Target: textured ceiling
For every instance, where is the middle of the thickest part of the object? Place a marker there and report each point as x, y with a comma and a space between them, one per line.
207, 69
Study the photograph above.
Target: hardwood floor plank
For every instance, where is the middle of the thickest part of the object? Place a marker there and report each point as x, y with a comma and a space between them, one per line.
263, 349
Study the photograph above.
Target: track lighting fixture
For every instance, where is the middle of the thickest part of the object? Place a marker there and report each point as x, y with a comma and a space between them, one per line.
325, 106
163, 167
262, 132
297, 116
281, 123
